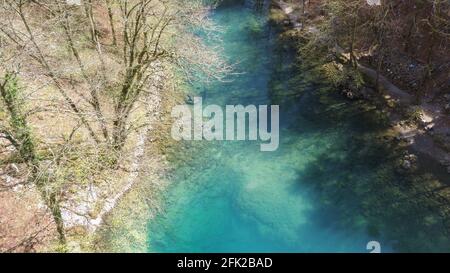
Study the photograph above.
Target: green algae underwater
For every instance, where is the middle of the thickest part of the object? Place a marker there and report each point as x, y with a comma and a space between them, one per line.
332, 186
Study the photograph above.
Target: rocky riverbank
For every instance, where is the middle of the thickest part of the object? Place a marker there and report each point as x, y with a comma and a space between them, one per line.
124, 227
82, 211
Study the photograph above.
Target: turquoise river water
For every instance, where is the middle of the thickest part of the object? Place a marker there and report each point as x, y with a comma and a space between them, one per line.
311, 195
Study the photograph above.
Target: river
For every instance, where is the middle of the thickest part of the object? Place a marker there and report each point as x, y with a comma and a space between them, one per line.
313, 193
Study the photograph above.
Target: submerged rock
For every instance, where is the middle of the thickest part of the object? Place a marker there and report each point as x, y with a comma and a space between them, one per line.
406, 165
408, 161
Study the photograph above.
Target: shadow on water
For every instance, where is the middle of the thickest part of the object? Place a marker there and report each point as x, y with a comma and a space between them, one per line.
359, 183
364, 189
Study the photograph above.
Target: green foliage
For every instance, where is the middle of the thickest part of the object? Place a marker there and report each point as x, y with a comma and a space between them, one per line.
413, 115
335, 73
21, 132
319, 54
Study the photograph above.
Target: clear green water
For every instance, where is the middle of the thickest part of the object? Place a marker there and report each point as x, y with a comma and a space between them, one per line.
230, 197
